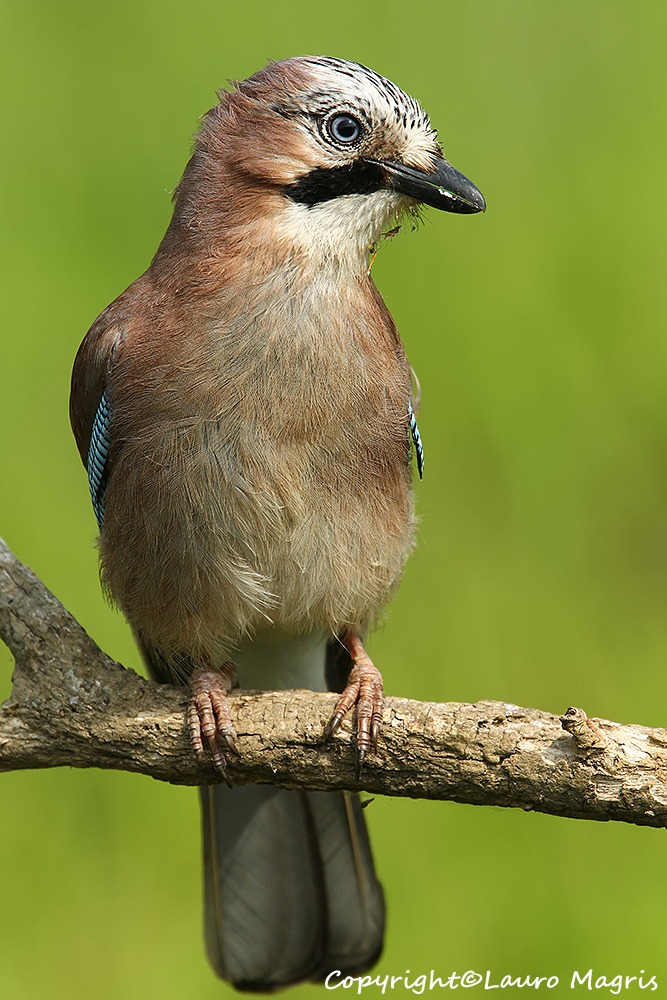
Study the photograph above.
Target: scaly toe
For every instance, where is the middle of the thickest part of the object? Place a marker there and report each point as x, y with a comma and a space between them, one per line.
209, 718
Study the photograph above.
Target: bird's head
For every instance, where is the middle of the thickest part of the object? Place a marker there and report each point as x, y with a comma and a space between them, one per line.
326, 149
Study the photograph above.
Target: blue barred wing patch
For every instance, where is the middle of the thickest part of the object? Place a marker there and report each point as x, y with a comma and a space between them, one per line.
416, 440
98, 453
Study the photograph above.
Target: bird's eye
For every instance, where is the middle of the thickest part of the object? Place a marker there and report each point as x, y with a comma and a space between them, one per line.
343, 128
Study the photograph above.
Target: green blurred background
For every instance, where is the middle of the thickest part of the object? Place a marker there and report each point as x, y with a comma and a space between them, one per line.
538, 332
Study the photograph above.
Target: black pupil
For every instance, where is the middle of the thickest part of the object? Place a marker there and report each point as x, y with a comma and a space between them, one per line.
345, 128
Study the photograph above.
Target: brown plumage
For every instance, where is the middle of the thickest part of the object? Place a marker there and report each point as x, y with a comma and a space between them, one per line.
257, 502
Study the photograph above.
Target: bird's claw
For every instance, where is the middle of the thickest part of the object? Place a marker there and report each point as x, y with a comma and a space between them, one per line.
209, 717
364, 689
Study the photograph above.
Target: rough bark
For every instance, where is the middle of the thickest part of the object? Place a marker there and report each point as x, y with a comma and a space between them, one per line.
72, 705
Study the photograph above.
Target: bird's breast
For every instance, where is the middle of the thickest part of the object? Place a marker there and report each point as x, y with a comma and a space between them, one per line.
273, 452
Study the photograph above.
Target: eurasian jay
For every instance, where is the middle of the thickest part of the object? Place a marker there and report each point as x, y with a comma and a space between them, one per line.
246, 415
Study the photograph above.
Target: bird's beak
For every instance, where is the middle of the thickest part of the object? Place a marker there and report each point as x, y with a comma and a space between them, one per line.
442, 187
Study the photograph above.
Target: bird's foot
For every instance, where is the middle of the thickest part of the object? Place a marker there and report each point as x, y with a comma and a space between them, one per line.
364, 689
209, 716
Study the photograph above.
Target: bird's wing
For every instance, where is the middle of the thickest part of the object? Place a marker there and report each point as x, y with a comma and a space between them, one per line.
90, 412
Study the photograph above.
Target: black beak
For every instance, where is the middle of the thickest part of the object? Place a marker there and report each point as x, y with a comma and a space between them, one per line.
443, 187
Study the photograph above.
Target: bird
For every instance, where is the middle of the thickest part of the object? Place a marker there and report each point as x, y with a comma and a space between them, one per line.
247, 418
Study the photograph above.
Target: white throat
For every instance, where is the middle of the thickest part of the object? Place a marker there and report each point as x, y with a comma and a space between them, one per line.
342, 230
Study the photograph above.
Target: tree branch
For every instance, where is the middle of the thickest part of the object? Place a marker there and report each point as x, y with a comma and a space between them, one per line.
72, 705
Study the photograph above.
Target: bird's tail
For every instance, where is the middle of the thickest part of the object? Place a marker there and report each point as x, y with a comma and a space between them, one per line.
290, 887
290, 890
